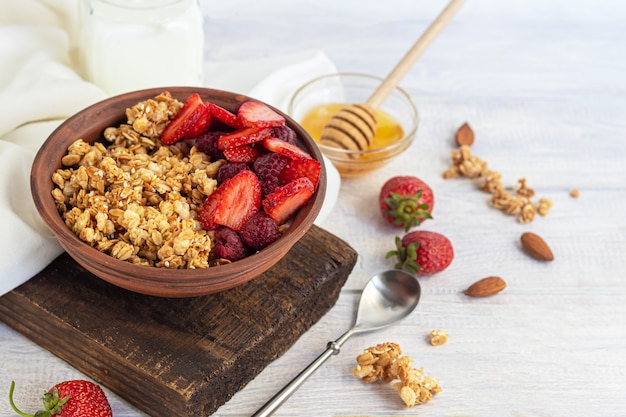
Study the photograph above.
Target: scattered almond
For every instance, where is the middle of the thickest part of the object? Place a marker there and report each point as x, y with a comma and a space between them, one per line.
485, 287
464, 135
535, 246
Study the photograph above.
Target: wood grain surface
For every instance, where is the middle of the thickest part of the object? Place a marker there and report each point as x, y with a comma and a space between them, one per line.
543, 85
189, 355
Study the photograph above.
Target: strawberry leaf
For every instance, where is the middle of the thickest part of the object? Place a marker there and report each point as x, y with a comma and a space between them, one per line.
406, 210
406, 256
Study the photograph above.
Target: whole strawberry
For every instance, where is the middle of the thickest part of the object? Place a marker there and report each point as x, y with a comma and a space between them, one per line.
423, 252
76, 398
406, 201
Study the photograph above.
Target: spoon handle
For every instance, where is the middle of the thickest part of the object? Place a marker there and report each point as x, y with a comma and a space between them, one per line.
332, 348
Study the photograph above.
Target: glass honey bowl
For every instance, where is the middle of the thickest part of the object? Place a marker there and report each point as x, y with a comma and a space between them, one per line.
313, 104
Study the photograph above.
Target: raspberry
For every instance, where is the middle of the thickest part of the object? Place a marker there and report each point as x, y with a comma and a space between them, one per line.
269, 165
229, 170
207, 143
285, 133
228, 244
268, 185
259, 231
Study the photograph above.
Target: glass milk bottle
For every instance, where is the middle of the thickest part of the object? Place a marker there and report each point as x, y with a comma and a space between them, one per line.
127, 45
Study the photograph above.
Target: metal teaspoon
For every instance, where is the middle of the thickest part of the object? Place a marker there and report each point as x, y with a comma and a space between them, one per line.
387, 298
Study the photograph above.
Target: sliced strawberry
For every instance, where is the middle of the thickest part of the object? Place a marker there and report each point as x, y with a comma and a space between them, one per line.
222, 115
233, 203
243, 153
256, 114
298, 168
192, 112
285, 148
205, 214
202, 125
283, 203
243, 136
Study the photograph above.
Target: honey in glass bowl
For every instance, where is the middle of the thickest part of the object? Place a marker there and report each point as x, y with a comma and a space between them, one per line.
317, 101
388, 129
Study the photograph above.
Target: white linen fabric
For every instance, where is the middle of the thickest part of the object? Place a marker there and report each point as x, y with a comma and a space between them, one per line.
40, 87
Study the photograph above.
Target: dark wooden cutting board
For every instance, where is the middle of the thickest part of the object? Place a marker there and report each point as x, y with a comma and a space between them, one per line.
179, 357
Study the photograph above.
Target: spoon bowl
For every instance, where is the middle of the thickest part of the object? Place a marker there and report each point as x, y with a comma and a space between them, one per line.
387, 298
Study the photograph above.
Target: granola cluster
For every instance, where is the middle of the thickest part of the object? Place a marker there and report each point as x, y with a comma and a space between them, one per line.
375, 363
150, 117
384, 362
135, 199
517, 202
438, 337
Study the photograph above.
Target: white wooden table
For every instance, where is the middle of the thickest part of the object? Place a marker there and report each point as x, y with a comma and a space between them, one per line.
543, 84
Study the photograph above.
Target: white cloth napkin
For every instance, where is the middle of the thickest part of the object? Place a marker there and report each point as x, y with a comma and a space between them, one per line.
39, 88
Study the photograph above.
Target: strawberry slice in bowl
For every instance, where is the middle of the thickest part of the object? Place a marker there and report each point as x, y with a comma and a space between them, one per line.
223, 115
286, 200
244, 136
285, 148
192, 120
253, 113
233, 203
298, 168
202, 124
243, 153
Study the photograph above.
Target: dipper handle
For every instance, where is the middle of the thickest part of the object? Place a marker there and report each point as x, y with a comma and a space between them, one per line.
418, 48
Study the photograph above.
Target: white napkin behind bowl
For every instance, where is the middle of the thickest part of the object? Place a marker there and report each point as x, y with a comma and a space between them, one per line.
39, 89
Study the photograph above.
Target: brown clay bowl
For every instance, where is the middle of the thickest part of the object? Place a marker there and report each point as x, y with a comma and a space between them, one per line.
89, 125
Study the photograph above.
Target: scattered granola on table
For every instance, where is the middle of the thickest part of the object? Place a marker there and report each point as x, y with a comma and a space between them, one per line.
517, 202
375, 363
384, 363
438, 337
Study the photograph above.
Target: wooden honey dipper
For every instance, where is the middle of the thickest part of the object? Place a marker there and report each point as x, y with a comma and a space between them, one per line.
354, 126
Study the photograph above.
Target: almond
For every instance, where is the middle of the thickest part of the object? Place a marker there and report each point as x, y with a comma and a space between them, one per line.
485, 287
464, 135
536, 247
